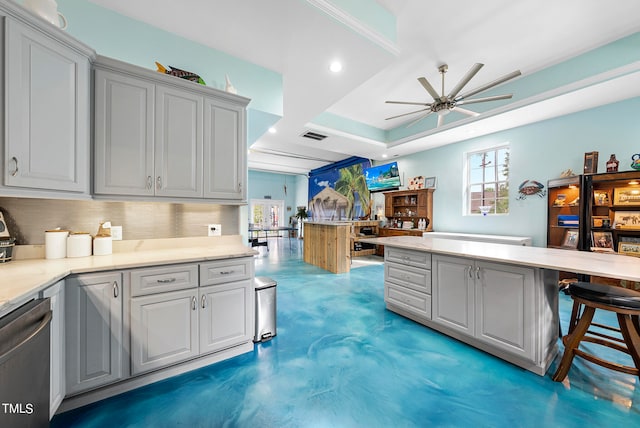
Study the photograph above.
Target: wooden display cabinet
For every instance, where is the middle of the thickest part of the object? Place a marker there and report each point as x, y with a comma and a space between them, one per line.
564, 205
361, 230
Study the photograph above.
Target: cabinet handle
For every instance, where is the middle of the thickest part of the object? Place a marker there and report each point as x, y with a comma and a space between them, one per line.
194, 303
239, 187
15, 171
115, 289
149, 182
166, 281
159, 183
226, 272
471, 272
478, 272
203, 301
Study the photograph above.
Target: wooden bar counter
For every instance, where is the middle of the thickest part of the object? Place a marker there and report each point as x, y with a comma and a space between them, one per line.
327, 245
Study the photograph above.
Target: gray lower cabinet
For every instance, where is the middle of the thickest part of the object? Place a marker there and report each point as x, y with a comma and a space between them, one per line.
93, 331
46, 107
407, 281
494, 303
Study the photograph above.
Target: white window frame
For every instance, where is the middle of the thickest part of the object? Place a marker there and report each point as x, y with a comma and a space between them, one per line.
496, 180
267, 202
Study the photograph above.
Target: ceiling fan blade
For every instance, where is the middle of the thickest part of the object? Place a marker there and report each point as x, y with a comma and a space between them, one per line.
407, 114
465, 111
482, 100
425, 84
408, 102
440, 120
467, 77
419, 119
490, 85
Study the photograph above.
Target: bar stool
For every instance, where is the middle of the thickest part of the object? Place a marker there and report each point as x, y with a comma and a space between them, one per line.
588, 297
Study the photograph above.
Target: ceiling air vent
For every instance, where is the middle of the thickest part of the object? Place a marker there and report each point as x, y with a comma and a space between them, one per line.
314, 136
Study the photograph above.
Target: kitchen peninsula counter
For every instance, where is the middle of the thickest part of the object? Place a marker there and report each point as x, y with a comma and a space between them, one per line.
21, 279
500, 298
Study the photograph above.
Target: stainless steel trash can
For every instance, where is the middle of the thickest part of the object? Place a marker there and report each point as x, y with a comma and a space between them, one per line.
265, 308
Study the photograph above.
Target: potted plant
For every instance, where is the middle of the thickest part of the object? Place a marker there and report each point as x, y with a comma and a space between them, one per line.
301, 215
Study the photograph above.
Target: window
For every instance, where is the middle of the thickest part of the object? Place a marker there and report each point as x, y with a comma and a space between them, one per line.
266, 213
488, 181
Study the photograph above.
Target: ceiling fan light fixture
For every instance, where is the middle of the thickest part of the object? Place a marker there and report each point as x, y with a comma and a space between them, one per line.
335, 66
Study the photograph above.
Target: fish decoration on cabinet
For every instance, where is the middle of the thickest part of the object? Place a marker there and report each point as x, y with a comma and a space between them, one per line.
530, 187
187, 75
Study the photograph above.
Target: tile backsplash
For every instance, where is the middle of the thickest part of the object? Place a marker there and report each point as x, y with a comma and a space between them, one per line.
27, 219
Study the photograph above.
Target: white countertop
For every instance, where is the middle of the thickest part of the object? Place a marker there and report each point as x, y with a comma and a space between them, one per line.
600, 264
21, 279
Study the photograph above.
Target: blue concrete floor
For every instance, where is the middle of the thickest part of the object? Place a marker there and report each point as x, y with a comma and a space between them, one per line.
340, 359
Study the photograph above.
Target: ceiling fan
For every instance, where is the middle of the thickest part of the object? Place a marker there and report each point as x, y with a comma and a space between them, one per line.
443, 104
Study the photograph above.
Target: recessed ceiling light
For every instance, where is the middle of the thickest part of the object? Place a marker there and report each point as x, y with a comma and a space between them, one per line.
384, 155
272, 130
335, 67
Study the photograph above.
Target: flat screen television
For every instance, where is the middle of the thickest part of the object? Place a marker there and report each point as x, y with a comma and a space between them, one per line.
382, 177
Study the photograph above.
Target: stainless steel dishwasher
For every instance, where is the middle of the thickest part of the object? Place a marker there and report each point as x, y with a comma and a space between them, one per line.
24, 365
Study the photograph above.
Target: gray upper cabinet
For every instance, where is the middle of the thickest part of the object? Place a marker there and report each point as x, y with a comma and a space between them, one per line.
163, 137
47, 105
123, 135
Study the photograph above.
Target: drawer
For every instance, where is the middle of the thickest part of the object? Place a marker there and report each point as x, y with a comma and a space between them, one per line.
419, 259
407, 299
161, 279
407, 276
228, 270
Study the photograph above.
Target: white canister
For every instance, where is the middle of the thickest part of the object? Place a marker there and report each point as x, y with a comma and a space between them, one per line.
102, 246
55, 244
79, 244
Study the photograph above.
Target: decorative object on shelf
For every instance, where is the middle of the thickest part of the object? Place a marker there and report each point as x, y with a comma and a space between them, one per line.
530, 187
635, 161
602, 241
228, 86
187, 75
599, 221
416, 183
600, 197
612, 164
591, 162
626, 196
568, 220
47, 10
560, 199
629, 248
570, 238
627, 220
567, 173
430, 183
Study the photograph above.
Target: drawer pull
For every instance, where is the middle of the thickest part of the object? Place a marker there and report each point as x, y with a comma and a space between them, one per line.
166, 281
226, 272
478, 272
471, 272
194, 303
203, 301
115, 289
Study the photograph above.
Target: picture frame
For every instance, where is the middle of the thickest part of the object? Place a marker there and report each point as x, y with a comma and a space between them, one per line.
570, 239
416, 183
430, 183
602, 240
591, 162
601, 198
629, 248
627, 220
626, 196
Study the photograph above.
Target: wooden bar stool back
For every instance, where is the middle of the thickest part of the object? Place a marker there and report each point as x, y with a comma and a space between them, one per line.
588, 297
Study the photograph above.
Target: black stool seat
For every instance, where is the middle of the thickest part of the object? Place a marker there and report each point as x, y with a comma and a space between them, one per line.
606, 294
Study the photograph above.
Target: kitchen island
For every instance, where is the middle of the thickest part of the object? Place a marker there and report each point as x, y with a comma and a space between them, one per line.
500, 298
326, 245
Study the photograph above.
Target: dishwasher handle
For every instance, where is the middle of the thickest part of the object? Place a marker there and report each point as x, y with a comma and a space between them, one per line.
43, 324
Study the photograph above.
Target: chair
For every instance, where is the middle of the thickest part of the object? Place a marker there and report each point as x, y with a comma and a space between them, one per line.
587, 297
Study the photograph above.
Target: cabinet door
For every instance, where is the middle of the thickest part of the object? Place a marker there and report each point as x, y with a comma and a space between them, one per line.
164, 329
453, 293
178, 146
226, 315
57, 369
47, 113
123, 135
504, 310
93, 330
224, 151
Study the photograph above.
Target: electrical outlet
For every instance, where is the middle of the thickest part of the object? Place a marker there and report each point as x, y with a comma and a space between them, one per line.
214, 230
116, 233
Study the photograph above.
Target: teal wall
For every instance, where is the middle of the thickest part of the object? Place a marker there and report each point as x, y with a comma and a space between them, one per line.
540, 152
263, 184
